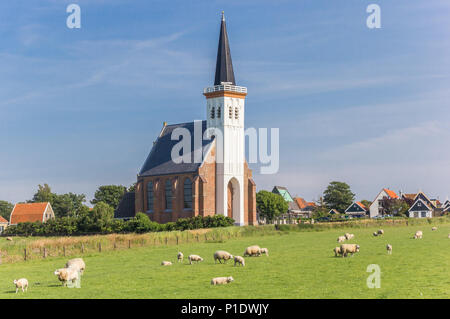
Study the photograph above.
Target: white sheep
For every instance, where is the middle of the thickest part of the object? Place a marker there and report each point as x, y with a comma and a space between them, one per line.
21, 283
448, 235
375, 234
380, 232
67, 274
434, 228
76, 263
389, 248
265, 251
180, 257
166, 263
254, 250
239, 260
349, 249
9, 238
341, 239
222, 255
337, 251
221, 280
196, 258
418, 234
349, 236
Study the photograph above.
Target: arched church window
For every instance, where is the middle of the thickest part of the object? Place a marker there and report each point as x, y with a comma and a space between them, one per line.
150, 196
219, 112
230, 112
236, 113
187, 193
213, 112
168, 194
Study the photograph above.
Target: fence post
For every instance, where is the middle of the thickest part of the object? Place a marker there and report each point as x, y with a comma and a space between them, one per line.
167, 240
129, 243
82, 248
64, 251
115, 245
45, 252
177, 240
25, 254
206, 237
99, 247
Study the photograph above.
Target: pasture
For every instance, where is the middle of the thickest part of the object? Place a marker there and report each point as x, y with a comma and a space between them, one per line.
300, 265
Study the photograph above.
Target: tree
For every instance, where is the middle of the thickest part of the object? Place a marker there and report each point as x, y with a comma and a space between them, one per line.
109, 194
395, 207
366, 203
5, 209
338, 196
270, 205
43, 194
102, 212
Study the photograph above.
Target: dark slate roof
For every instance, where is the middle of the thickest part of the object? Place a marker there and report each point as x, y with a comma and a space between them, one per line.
126, 206
159, 161
224, 66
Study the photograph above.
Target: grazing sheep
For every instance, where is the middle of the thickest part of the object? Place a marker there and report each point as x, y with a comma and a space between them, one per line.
254, 250
222, 255
349, 249
76, 263
341, 239
9, 238
380, 232
166, 263
239, 260
21, 283
221, 280
448, 235
418, 234
196, 258
337, 251
375, 234
434, 228
265, 251
349, 236
389, 248
180, 257
67, 274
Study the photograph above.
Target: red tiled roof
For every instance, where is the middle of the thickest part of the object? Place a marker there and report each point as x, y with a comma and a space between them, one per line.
300, 202
391, 194
2, 220
30, 212
362, 205
311, 204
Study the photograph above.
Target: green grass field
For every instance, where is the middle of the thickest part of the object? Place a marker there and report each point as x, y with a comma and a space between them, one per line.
300, 265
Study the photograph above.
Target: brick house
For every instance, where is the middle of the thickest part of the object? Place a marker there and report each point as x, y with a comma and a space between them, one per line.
31, 212
212, 177
3, 224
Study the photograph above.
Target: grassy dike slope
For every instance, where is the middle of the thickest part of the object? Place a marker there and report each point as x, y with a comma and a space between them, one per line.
300, 265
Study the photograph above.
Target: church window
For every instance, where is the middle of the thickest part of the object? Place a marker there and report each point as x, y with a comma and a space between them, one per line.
187, 192
219, 112
236, 113
150, 196
230, 112
168, 194
213, 112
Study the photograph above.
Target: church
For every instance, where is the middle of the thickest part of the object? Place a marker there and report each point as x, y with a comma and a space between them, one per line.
220, 182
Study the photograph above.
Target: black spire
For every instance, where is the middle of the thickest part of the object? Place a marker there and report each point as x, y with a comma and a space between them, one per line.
224, 66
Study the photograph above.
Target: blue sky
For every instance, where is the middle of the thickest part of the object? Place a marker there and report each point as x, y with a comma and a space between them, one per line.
81, 108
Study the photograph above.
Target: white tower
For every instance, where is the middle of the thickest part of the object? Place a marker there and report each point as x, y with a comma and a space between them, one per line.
225, 109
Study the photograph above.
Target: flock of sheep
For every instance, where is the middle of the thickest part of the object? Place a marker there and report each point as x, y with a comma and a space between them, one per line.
346, 249
222, 255
71, 273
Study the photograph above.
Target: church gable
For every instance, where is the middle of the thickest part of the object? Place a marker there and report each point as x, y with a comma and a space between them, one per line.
159, 161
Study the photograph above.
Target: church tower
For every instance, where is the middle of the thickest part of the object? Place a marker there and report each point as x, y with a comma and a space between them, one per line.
225, 109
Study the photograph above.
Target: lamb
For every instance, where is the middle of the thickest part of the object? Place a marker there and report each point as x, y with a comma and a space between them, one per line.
196, 258
254, 250
21, 283
166, 263
9, 238
76, 263
265, 251
337, 251
221, 280
380, 232
375, 234
434, 228
222, 255
389, 248
448, 235
349, 249
341, 239
418, 234
239, 260
67, 274
180, 257
349, 236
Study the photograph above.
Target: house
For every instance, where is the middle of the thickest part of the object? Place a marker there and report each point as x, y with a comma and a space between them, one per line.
333, 212
31, 212
306, 208
421, 209
126, 207
209, 177
376, 208
294, 210
357, 209
3, 224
